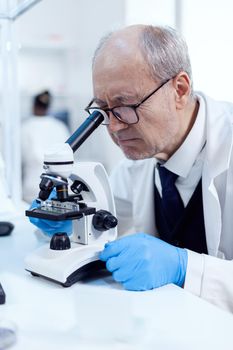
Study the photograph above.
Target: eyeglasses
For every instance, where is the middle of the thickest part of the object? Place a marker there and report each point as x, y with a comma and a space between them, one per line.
125, 114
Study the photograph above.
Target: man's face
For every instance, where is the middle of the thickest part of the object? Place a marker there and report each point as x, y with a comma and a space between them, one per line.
125, 83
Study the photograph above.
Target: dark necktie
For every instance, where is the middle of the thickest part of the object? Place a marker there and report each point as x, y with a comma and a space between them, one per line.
172, 203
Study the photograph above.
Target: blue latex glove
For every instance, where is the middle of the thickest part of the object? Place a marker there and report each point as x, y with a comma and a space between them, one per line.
142, 262
51, 227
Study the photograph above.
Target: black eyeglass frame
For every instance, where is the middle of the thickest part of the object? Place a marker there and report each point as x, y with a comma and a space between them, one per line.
133, 106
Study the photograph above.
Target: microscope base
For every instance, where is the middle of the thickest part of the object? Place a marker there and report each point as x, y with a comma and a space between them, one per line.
65, 267
87, 271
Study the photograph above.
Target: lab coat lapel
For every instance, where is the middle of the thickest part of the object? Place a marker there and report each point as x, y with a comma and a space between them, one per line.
218, 153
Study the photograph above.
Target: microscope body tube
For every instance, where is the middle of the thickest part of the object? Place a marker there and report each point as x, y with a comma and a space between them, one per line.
85, 129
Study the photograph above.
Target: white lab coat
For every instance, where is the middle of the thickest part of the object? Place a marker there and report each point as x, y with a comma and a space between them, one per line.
38, 133
208, 276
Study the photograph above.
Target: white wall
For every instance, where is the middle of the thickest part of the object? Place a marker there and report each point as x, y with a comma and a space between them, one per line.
207, 27
156, 12
57, 40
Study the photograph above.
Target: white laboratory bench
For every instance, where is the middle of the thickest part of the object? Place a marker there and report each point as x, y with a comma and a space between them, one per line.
99, 314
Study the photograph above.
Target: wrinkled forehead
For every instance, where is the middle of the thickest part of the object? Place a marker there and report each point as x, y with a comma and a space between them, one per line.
120, 77
117, 52
119, 63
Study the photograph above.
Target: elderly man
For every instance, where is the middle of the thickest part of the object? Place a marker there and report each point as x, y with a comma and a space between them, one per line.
174, 193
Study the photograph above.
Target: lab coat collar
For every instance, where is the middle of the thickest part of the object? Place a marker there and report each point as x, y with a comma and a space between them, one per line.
218, 130
219, 135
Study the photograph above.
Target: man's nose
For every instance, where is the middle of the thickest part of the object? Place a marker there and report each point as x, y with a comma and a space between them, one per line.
115, 124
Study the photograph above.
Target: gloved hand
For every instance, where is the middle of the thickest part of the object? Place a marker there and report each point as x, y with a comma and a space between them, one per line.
50, 227
142, 262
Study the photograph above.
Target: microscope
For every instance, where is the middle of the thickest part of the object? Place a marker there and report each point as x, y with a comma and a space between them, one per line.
83, 195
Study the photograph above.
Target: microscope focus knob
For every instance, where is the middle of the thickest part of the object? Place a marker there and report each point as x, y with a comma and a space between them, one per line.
60, 241
103, 220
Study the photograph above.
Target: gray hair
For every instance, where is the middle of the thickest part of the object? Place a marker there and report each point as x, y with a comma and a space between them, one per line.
164, 50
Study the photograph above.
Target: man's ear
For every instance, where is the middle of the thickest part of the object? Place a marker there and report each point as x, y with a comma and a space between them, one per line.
182, 85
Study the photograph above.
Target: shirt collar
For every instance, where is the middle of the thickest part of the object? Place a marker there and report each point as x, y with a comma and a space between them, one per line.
182, 160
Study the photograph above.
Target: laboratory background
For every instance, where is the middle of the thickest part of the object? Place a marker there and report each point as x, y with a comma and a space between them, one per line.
47, 45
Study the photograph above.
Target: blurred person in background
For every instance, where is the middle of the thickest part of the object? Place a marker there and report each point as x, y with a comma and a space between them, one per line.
38, 133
